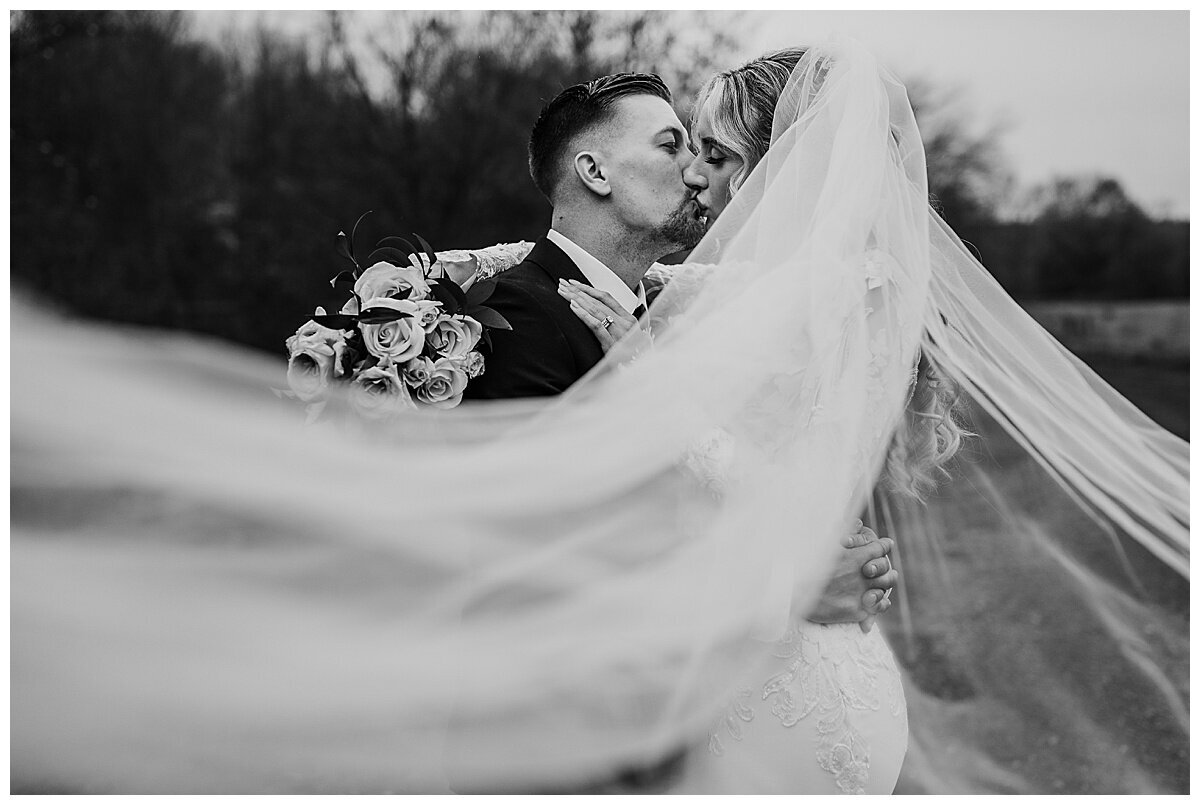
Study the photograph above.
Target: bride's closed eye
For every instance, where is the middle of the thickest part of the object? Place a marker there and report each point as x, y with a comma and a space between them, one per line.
713, 154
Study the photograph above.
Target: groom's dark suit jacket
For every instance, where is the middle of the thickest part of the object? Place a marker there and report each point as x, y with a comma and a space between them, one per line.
548, 348
546, 351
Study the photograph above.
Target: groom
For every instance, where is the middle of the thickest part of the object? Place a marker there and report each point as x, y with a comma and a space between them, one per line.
610, 156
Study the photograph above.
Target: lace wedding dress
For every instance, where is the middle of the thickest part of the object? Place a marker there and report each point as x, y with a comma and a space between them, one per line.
831, 718
827, 714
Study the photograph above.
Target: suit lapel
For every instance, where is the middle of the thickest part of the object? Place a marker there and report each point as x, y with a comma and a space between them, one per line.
555, 263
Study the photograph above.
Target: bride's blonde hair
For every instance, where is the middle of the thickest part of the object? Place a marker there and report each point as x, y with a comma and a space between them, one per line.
932, 432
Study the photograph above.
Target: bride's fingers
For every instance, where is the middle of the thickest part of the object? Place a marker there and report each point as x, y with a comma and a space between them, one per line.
606, 335
597, 307
603, 297
589, 311
602, 303
885, 581
873, 607
857, 539
594, 323
595, 314
594, 309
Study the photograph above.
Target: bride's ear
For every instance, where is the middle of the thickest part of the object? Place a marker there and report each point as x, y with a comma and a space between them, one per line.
591, 173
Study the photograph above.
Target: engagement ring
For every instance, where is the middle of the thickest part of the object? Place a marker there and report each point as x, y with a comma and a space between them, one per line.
608, 321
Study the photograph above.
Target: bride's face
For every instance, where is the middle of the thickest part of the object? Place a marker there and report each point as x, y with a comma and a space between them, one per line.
714, 166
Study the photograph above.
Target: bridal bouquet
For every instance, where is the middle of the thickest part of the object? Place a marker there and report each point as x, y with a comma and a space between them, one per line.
408, 336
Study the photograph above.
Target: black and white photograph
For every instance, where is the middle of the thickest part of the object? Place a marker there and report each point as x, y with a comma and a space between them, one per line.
580, 402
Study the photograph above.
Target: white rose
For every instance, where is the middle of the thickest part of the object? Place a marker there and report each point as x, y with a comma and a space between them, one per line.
310, 370
397, 340
460, 265
382, 280
417, 371
454, 336
315, 357
378, 393
472, 364
430, 310
311, 331
445, 386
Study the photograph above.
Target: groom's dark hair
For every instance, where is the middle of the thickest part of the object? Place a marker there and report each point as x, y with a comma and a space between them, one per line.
575, 110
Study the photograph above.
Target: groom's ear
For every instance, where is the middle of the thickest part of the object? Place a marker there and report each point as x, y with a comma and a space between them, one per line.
591, 173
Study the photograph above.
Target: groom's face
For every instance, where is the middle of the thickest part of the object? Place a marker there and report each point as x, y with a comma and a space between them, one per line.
645, 158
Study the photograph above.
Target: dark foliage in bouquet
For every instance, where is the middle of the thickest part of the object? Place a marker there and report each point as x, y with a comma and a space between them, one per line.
410, 335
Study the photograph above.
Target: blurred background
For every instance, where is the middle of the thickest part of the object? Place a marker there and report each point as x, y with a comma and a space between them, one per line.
189, 170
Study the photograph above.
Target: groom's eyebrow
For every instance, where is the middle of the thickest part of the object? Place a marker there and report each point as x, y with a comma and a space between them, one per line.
674, 131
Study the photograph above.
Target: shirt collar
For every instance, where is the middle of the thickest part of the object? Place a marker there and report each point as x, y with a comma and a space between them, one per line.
599, 275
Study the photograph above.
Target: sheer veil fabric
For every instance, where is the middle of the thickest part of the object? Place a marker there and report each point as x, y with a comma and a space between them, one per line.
207, 596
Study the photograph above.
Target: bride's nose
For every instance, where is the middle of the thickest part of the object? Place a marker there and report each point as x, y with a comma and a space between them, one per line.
693, 177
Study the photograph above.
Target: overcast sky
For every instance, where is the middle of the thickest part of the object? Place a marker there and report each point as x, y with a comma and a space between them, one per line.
1078, 92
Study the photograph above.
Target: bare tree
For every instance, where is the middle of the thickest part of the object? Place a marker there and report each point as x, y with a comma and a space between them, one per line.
968, 177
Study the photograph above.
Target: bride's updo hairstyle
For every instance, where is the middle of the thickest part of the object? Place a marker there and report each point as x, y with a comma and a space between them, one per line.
743, 110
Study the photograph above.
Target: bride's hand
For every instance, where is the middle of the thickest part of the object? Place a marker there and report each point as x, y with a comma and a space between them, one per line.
599, 311
857, 591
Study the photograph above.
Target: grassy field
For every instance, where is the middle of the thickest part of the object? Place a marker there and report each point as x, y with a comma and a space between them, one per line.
1008, 635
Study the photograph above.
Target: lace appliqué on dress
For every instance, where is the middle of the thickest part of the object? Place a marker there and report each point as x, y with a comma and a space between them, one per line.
712, 461
500, 257
831, 672
489, 261
737, 713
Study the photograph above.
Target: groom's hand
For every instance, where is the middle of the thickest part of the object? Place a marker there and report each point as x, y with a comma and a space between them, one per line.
857, 591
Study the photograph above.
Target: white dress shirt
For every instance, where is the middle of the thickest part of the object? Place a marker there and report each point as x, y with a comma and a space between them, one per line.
599, 275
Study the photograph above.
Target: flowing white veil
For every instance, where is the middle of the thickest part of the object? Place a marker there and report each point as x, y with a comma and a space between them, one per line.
207, 596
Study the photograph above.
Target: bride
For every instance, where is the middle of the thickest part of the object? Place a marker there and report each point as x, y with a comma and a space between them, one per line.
206, 597
835, 690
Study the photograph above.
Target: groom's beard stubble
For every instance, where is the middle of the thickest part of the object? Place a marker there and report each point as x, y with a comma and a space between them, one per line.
684, 227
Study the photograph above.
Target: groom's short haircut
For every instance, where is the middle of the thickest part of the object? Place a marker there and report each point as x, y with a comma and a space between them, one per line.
575, 110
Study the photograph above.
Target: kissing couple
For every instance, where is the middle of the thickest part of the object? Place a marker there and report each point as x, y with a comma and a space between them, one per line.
635, 560
629, 185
